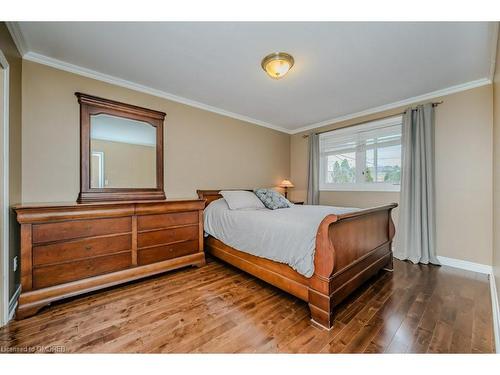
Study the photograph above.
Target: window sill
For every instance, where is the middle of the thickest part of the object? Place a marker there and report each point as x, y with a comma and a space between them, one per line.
353, 188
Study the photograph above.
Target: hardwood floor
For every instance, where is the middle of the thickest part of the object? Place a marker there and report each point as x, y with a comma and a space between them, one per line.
218, 308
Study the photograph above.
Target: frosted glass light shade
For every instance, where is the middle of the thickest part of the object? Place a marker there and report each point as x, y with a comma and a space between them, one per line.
277, 65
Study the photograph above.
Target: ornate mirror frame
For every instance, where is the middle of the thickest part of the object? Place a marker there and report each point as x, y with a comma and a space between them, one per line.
92, 105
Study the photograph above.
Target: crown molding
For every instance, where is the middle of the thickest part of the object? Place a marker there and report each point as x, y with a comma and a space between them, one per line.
62, 65
18, 37
72, 68
409, 101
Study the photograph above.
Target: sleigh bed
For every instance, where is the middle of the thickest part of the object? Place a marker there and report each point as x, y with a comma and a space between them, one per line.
350, 248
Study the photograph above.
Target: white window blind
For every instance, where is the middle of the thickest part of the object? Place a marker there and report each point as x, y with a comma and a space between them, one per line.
364, 157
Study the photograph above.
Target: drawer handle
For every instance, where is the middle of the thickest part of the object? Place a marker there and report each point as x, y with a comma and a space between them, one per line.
88, 248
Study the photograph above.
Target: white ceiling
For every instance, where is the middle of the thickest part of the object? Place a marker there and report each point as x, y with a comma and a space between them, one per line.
340, 68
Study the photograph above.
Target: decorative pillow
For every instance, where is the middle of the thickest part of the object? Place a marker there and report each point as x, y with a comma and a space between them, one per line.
272, 199
241, 199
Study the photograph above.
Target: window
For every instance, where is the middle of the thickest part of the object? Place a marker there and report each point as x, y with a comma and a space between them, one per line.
365, 157
97, 169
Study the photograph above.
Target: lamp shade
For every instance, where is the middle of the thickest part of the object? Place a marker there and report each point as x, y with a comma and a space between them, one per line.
286, 183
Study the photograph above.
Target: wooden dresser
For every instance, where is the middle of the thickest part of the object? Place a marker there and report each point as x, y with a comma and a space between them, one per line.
69, 249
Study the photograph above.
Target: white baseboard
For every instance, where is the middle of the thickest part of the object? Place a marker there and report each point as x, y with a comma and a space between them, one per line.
13, 303
488, 270
496, 312
466, 265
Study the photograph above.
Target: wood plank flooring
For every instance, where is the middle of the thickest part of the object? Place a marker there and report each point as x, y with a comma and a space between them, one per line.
219, 309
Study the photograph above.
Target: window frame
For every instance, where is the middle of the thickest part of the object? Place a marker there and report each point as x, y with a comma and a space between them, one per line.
360, 159
100, 156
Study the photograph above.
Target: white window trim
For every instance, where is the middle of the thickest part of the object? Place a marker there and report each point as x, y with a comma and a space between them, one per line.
373, 186
100, 156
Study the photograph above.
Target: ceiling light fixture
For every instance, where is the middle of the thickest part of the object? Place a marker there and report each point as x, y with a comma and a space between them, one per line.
277, 64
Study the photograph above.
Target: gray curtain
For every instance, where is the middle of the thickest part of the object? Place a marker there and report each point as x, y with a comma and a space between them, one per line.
417, 220
313, 171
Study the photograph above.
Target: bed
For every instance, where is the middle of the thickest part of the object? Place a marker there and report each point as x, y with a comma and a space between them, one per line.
350, 248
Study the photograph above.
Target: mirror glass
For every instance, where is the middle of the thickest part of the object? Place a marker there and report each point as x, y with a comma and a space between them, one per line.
123, 153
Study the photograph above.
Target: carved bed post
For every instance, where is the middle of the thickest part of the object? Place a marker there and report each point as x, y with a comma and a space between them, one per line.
350, 248
320, 302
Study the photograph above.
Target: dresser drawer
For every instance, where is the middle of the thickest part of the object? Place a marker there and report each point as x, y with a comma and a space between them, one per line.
146, 222
81, 248
160, 253
46, 276
80, 228
166, 236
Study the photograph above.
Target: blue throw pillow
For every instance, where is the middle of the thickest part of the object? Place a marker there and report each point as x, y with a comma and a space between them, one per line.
272, 199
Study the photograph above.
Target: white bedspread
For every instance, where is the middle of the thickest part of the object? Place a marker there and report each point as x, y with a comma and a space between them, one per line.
286, 235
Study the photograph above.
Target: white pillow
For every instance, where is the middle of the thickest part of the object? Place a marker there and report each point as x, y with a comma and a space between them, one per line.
241, 199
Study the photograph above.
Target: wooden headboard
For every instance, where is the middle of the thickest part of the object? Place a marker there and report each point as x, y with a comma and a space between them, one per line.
212, 195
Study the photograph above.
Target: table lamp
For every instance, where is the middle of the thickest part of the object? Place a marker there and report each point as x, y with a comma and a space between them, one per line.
286, 184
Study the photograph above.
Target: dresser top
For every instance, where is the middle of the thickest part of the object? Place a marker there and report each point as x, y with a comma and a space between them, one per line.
46, 212
35, 205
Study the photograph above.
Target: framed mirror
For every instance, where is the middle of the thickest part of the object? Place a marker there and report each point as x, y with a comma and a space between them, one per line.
121, 151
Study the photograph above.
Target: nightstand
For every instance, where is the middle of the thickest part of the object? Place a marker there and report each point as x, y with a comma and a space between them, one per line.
299, 202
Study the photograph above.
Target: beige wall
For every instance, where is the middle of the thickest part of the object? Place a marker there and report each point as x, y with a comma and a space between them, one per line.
127, 165
464, 182
463, 175
496, 170
203, 150
14, 58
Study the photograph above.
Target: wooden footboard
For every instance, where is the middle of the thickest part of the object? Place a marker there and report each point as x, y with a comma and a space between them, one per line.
350, 249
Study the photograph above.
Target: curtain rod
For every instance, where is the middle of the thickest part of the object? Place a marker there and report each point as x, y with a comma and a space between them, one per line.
434, 104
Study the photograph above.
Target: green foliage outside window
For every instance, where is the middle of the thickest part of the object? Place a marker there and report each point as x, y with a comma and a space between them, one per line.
393, 174
343, 173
